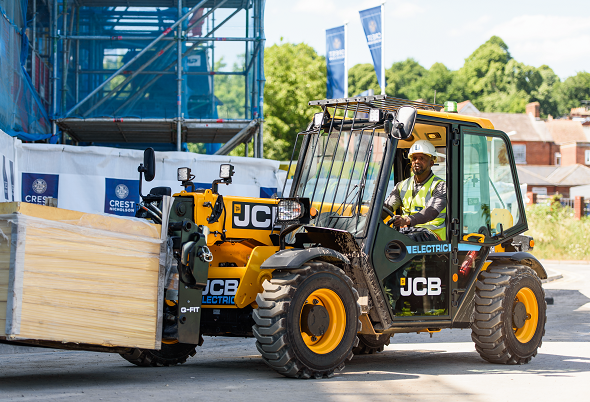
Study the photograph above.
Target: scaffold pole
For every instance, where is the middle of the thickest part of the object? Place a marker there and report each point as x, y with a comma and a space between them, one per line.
179, 81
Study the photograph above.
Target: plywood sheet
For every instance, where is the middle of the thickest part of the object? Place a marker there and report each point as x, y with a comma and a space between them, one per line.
111, 223
86, 278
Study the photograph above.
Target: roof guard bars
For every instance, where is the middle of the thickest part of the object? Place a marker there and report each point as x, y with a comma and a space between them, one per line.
365, 103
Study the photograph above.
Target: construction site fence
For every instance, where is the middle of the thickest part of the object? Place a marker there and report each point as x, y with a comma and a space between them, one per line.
106, 180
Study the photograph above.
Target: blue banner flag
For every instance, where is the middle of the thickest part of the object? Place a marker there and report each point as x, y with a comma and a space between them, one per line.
335, 55
371, 20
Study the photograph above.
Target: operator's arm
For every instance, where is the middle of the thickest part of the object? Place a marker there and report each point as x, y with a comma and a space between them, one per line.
393, 201
433, 208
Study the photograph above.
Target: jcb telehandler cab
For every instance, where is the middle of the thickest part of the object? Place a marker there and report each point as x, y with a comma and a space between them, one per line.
338, 280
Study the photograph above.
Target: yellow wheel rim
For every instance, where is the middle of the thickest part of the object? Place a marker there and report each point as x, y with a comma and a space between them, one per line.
331, 338
527, 297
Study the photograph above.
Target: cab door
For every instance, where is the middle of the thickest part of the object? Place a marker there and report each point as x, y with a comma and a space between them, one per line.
488, 208
492, 207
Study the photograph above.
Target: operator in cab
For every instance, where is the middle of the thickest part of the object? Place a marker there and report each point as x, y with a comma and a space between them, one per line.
422, 197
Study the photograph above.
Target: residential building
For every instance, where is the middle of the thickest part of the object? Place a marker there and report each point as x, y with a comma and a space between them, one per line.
551, 156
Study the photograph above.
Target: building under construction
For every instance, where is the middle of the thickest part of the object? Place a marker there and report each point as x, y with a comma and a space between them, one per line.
133, 73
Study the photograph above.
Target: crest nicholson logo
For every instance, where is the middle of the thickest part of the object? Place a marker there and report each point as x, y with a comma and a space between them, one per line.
372, 26
39, 186
121, 191
337, 43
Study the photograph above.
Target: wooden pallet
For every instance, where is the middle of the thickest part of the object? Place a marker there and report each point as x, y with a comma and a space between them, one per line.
72, 277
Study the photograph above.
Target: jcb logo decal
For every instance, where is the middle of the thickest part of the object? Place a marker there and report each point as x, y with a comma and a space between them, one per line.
248, 215
421, 286
220, 291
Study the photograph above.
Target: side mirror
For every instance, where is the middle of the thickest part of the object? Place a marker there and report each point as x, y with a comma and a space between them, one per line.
149, 164
404, 122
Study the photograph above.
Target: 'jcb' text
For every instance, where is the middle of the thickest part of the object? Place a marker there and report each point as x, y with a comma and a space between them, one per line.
247, 215
420, 286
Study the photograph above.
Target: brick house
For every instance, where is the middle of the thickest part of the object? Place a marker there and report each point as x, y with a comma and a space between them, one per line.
551, 156
573, 140
531, 140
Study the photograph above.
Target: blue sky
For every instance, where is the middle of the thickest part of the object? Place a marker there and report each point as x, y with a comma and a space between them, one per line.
556, 33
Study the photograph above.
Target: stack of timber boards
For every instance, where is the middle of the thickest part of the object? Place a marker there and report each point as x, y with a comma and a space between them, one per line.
72, 277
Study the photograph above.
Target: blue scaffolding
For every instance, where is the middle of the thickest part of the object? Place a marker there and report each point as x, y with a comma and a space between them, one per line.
137, 72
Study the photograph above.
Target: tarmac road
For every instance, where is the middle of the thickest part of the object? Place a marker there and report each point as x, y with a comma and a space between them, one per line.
413, 368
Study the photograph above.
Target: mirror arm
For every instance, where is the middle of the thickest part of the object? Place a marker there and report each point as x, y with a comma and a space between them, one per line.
141, 169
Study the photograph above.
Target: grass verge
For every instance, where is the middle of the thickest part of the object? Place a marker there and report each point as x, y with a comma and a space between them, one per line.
558, 236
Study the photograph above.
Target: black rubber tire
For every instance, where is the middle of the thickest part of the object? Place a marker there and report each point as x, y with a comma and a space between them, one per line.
277, 329
370, 344
169, 355
492, 329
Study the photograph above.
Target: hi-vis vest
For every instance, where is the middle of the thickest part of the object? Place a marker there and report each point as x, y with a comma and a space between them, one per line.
412, 206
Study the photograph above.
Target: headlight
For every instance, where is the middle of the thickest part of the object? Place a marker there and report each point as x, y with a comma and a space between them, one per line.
289, 210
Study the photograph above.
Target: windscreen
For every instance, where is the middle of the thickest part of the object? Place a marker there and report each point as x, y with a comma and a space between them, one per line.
339, 173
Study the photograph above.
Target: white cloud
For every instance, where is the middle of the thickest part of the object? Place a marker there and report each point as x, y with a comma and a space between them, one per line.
470, 27
316, 6
542, 27
544, 39
405, 9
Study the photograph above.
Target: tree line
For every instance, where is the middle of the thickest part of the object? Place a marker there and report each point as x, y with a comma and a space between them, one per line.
490, 78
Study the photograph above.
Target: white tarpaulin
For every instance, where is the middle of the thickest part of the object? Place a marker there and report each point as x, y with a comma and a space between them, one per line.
100, 179
10, 189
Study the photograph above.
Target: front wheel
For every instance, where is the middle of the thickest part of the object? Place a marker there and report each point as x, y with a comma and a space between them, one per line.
510, 314
307, 321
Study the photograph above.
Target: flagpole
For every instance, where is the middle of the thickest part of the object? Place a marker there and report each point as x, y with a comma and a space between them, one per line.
382, 48
345, 59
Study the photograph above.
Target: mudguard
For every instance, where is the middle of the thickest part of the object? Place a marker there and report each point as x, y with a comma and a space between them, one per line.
521, 258
294, 258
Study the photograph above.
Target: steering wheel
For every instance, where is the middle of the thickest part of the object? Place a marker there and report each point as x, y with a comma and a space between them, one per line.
391, 214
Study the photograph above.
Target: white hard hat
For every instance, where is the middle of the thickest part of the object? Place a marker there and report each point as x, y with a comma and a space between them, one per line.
423, 147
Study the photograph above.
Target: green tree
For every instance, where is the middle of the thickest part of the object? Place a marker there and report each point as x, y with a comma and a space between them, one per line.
362, 77
404, 79
495, 82
545, 93
407, 79
483, 71
442, 80
295, 74
572, 91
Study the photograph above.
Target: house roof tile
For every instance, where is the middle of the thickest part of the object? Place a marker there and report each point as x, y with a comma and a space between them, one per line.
527, 128
573, 175
564, 131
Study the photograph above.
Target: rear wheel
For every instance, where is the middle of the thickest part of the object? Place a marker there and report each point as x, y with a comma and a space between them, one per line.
169, 355
307, 321
510, 314
369, 344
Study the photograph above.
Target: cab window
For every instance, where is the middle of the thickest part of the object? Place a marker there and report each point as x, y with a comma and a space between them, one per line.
490, 200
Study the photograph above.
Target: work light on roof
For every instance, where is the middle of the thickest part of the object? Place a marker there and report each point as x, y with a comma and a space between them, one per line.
375, 115
318, 119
